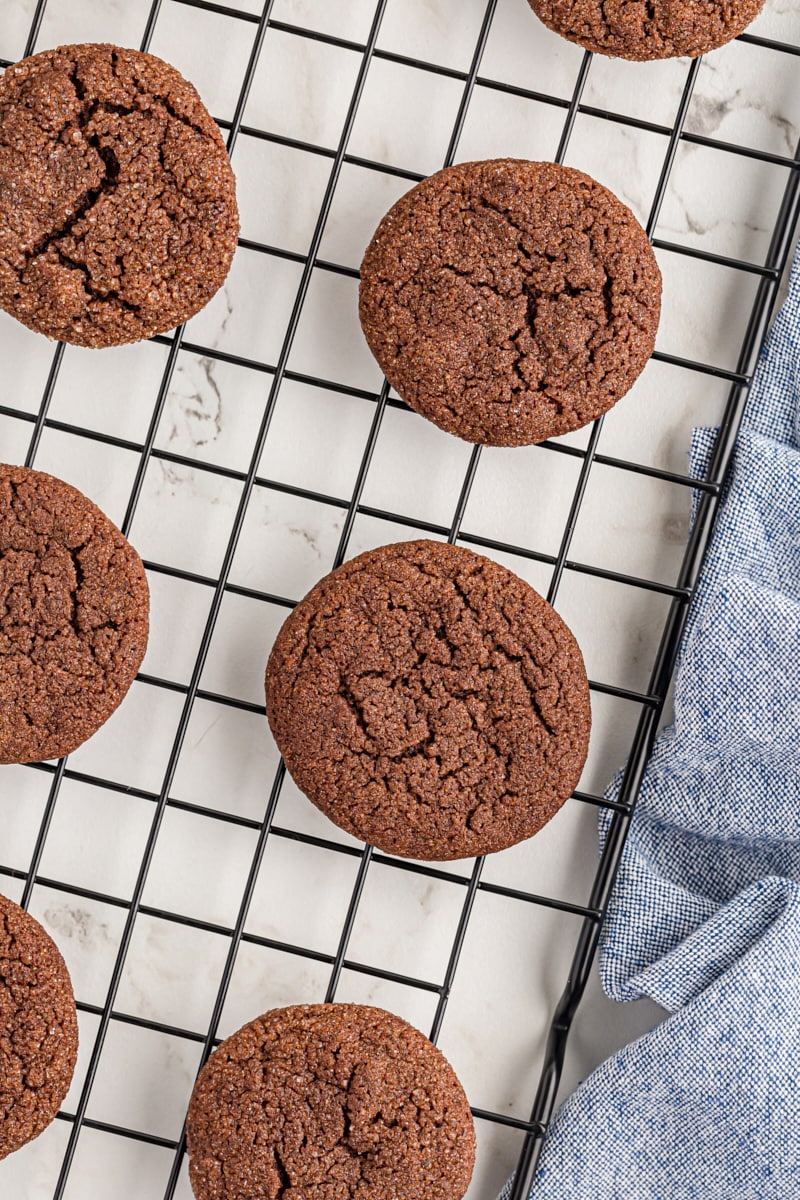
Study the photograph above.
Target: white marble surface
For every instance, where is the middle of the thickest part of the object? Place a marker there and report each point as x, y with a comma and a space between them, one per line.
515, 956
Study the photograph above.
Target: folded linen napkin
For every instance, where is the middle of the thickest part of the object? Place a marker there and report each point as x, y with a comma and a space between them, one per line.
705, 915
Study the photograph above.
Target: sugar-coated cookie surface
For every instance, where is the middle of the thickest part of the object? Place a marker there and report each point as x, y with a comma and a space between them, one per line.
648, 29
74, 607
429, 701
118, 215
330, 1101
510, 301
38, 1028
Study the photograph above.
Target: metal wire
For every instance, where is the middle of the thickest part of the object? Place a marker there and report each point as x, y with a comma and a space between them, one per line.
651, 702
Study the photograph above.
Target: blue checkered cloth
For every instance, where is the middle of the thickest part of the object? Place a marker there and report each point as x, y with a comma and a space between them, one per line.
705, 915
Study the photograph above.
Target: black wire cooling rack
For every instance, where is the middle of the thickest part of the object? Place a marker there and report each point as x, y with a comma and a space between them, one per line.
650, 703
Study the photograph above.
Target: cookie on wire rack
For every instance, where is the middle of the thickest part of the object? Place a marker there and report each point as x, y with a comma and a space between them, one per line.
118, 215
510, 301
74, 609
430, 702
38, 1028
329, 1101
648, 29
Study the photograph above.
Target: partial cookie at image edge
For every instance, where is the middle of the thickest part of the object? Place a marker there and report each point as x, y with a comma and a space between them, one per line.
74, 616
342, 1099
647, 30
38, 1028
118, 216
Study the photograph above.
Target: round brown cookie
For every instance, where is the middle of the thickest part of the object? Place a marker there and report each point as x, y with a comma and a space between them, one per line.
510, 301
329, 1102
648, 29
430, 702
118, 214
38, 1028
73, 616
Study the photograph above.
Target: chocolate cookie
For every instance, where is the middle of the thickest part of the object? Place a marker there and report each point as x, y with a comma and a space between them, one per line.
118, 212
647, 29
38, 1028
73, 616
329, 1102
510, 301
430, 702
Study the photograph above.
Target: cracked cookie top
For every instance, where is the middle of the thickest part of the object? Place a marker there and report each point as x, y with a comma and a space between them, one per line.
329, 1102
118, 214
648, 29
510, 301
38, 1028
73, 616
430, 702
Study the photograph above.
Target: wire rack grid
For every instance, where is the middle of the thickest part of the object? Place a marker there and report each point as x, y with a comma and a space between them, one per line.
467, 882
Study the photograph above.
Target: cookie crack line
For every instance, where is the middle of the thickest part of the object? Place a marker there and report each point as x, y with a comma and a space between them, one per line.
457, 694
283, 1174
511, 658
73, 553
84, 205
534, 294
110, 164
158, 98
80, 578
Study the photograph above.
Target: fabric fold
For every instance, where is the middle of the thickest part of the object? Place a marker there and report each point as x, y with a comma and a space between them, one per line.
706, 1104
